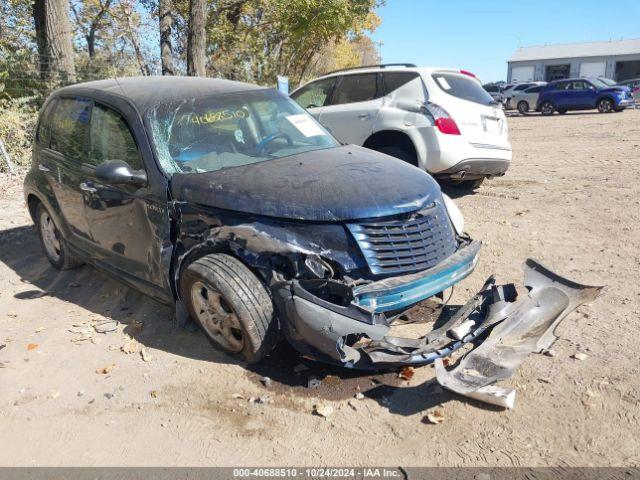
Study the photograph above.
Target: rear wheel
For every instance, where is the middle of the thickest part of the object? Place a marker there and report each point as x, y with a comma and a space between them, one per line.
547, 108
523, 107
605, 105
400, 153
54, 245
231, 305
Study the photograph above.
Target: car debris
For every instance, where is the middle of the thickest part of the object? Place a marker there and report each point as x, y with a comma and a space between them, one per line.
266, 381
323, 410
106, 326
580, 356
520, 326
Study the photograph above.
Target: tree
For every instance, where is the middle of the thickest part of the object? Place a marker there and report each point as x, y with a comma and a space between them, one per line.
196, 42
53, 36
166, 24
90, 19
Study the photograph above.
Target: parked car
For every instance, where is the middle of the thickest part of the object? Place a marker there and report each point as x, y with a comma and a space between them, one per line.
509, 93
634, 86
583, 94
440, 120
495, 90
526, 100
231, 201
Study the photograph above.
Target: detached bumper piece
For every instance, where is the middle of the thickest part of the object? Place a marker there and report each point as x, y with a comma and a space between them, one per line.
522, 326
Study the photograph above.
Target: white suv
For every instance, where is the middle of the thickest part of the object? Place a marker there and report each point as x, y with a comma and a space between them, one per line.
438, 119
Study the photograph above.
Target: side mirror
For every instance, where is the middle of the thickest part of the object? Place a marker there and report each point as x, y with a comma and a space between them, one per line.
117, 172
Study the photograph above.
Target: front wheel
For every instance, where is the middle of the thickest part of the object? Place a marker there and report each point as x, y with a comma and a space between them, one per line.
523, 107
547, 108
231, 305
605, 105
54, 245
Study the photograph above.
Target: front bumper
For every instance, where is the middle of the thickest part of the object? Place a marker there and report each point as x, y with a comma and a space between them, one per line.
329, 332
626, 103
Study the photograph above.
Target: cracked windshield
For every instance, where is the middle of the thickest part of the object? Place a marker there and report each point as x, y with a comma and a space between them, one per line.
212, 133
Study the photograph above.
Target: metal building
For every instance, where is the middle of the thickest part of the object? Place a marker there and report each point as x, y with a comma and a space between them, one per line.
615, 59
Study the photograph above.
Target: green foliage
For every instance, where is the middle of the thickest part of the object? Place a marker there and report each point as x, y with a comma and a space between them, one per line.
17, 121
256, 40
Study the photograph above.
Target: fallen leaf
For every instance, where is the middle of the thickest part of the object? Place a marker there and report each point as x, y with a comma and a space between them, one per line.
105, 370
32, 346
323, 410
406, 373
434, 416
447, 361
132, 346
154, 394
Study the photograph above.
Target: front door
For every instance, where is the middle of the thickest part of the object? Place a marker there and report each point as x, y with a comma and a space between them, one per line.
124, 219
354, 106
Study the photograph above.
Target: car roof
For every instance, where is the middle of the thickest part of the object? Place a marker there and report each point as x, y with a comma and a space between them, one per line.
146, 92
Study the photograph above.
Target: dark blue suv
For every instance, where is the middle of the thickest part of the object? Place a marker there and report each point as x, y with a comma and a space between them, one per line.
583, 94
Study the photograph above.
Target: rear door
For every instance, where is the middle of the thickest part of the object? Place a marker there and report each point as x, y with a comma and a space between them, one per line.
62, 161
479, 119
353, 108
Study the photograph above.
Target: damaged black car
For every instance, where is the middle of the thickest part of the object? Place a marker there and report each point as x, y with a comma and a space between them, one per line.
231, 202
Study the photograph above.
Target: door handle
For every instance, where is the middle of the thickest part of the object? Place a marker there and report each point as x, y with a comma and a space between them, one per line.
43, 168
364, 116
87, 188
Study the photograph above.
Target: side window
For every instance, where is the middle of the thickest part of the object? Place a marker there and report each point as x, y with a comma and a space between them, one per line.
580, 85
315, 94
43, 135
69, 127
563, 86
395, 80
356, 88
111, 139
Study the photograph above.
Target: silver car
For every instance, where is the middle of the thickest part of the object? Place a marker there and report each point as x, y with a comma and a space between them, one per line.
510, 93
525, 100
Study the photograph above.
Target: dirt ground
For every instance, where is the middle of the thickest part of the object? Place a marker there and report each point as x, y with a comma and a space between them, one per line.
571, 200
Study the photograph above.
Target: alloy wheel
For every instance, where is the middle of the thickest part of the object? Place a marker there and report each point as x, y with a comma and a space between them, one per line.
49, 234
217, 317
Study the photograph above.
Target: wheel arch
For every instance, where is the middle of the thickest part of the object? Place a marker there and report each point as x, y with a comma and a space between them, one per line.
396, 138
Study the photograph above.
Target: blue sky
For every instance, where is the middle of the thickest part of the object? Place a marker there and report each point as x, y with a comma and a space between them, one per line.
480, 35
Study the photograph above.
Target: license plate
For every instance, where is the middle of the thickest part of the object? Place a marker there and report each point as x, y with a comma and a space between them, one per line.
491, 124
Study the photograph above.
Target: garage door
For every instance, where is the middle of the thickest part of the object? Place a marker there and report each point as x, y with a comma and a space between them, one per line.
522, 74
593, 69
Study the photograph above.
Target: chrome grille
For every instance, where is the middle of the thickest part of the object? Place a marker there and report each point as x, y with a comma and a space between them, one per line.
401, 246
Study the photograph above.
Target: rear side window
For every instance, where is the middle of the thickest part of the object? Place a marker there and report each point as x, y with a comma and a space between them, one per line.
356, 88
394, 80
315, 94
562, 86
43, 136
463, 87
111, 139
534, 89
69, 126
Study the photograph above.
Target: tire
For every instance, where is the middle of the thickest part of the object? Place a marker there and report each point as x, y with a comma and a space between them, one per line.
523, 107
605, 105
53, 243
400, 153
547, 108
231, 305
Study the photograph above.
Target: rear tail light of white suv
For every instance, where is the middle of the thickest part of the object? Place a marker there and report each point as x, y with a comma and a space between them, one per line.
442, 119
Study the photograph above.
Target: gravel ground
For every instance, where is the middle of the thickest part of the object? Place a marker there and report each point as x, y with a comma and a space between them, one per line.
71, 396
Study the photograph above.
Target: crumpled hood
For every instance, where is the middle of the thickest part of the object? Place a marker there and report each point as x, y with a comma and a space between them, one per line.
343, 183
